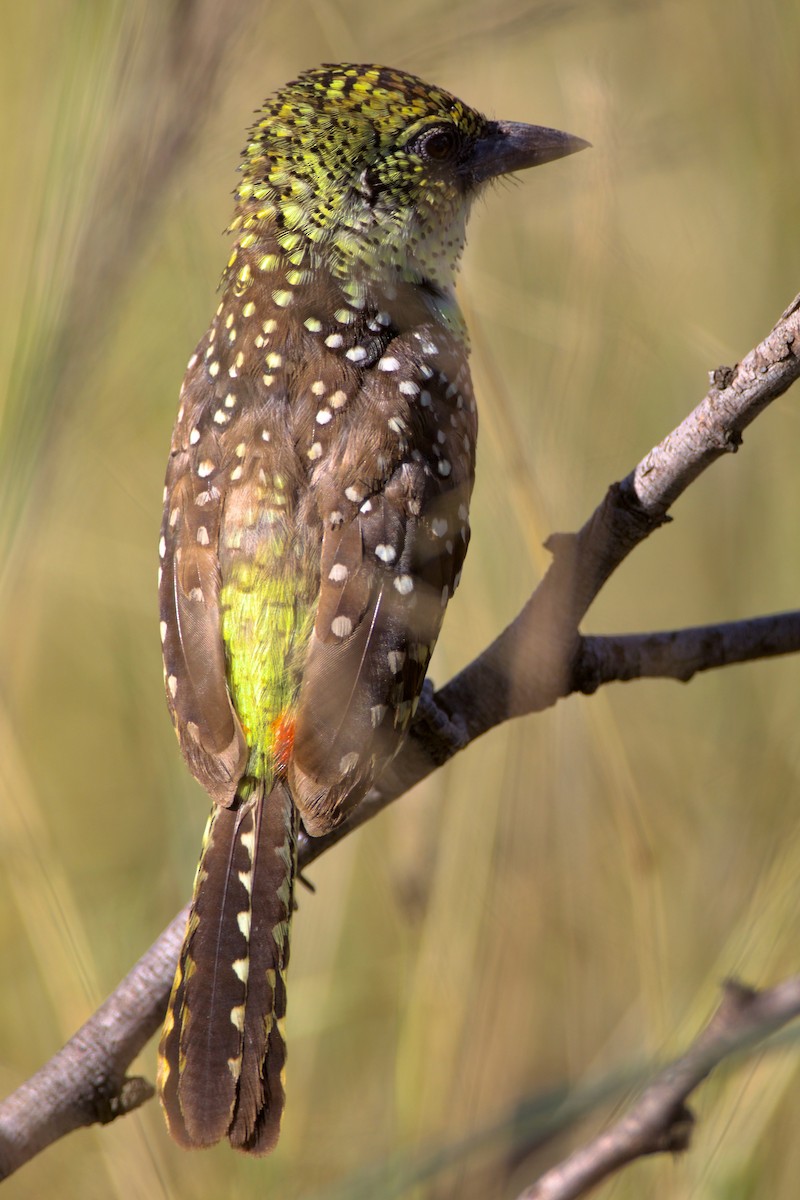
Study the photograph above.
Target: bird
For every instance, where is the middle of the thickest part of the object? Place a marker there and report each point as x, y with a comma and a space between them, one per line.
316, 519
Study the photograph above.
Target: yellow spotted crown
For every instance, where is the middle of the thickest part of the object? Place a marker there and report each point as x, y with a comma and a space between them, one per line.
333, 162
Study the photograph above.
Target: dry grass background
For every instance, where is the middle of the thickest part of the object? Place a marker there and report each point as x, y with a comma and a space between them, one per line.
567, 895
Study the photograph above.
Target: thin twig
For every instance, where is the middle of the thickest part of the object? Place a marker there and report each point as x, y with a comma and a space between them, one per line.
682, 653
659, 1121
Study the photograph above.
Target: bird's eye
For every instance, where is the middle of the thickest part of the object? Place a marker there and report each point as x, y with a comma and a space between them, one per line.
438, 144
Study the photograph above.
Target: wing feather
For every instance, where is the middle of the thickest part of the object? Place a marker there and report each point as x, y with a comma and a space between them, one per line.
387, 575
194, 660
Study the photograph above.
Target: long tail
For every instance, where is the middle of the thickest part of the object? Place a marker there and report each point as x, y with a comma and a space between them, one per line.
222, 1052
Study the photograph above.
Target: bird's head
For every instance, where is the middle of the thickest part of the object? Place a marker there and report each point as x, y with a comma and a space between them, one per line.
368, 170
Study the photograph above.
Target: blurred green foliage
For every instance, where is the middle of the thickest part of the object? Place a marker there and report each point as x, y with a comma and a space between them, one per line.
565, 898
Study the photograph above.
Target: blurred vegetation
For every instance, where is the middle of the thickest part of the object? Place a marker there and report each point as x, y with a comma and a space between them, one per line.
564, 899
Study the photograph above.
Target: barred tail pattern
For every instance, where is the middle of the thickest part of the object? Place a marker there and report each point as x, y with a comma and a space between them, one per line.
222, 1052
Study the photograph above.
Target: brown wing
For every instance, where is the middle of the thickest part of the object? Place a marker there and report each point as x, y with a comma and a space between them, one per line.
391, 558
208, 729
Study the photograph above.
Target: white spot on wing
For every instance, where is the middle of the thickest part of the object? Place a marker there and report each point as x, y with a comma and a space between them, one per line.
241, 968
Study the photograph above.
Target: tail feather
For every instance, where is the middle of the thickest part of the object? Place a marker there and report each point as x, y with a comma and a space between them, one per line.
257, 1117
222, 1050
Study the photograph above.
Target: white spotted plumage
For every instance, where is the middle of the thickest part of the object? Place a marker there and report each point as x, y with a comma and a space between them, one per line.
315, 528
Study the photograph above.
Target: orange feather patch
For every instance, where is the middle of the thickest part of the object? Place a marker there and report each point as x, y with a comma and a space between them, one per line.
282, 731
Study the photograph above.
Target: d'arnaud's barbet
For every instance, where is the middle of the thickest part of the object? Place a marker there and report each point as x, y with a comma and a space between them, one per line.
315, 525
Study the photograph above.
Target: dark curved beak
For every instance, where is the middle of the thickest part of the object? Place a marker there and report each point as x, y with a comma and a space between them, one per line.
511, 146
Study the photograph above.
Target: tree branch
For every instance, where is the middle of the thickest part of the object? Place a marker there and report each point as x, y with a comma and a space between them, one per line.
536, 661
529, 666
681, 653
659, 1121
85, 1082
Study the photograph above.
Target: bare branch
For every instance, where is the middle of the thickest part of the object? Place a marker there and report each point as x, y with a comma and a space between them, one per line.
681, 653
659, 1121
536, 661
530, 665
736, 397
86, 1082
